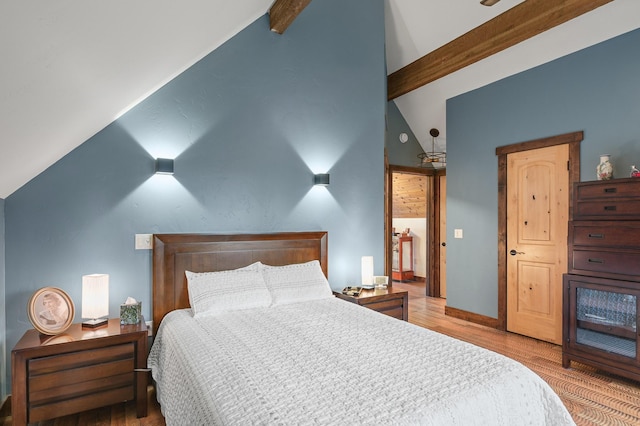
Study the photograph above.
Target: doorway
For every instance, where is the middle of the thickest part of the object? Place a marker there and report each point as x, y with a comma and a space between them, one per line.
567, 146
413, 198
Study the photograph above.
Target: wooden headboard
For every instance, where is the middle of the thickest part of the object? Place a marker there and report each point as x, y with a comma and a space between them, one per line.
175, 253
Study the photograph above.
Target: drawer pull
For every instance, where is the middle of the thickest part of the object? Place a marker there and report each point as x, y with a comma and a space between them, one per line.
611, 190
596, 236
600, 261
610, 208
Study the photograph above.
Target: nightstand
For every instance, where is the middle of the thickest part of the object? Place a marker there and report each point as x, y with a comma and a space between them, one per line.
394, 303
78, 370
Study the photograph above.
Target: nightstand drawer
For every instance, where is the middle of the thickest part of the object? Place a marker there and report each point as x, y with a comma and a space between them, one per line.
61, 363
61, 384
386, 301
81, 397
393, 307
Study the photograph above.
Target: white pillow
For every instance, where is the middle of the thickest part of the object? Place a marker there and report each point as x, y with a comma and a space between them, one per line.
256, 266
223, 291
296, 283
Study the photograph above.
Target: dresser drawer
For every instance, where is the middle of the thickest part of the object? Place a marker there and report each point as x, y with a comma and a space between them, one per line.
618, 188
607, 209
622, 234
605, 263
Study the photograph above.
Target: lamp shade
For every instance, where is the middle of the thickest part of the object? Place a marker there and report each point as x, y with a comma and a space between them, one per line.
95, 296
367, 271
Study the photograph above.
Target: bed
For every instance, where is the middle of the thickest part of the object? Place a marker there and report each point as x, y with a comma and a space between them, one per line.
307, 357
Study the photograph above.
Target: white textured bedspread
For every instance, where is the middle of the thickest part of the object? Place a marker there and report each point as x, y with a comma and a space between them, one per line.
330, 362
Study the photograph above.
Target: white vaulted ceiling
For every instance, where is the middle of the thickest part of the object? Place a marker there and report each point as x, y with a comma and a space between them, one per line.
71, 67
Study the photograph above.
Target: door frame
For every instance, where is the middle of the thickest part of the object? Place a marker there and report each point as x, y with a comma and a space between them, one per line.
433, 224
573, 139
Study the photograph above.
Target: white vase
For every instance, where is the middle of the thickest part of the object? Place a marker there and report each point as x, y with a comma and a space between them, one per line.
604, 170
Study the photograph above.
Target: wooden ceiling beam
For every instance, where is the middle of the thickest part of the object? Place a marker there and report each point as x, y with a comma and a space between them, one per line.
517, 24
283, 12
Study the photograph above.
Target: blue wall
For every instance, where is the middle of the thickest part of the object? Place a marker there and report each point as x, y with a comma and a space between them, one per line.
596, 90
248, 126
3, 340
398, 153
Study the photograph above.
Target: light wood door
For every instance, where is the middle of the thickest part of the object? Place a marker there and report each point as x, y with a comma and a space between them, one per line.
443, 236
537, 214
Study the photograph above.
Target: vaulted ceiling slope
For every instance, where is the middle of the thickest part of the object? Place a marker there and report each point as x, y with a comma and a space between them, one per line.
414, 28
71, 67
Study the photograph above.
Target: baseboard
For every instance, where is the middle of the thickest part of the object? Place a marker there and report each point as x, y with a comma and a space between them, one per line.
471, 317
5, 409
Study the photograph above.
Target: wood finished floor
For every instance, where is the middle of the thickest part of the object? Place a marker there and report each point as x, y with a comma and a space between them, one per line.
591, 396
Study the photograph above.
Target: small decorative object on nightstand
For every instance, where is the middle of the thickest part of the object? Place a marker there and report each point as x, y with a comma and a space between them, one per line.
381, 281
130, 311
50, 310
79, 370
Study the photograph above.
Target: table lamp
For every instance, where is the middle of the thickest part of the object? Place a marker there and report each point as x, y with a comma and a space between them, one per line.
95, 300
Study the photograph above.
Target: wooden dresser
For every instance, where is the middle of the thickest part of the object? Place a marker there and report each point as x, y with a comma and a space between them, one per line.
602, 289
78, 370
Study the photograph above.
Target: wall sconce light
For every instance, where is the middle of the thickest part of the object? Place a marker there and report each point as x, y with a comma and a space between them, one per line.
321, 179
367, 271
95, 299
164, 166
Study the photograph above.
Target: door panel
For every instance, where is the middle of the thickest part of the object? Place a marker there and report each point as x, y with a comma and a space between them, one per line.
537, 212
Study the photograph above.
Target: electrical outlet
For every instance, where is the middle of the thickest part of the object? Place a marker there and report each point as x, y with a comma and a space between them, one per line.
143, 241
149, 328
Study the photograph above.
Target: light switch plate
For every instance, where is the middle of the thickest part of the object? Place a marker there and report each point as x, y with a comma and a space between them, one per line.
143, 242
457, 233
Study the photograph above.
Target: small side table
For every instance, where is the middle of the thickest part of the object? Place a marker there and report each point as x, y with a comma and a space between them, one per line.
394, 303
78, 370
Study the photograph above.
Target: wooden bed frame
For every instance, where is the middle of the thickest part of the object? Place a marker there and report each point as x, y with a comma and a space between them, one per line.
175, 253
